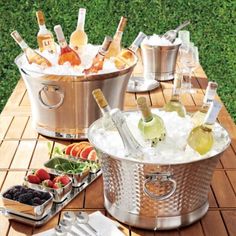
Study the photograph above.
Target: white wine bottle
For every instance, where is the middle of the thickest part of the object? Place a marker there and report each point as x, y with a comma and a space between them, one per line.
175, 104
132, 147
201, 137
199, 116
150, 125
126, 56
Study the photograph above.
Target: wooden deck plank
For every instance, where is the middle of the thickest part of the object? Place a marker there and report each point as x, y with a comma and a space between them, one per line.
230, 220
228, 159
224, 193
157, 98
94, 195
41, 155
23, 155
29, 132
17, 127
213, 225
5, 122
25, 100
7, 152
232, 177
195, 229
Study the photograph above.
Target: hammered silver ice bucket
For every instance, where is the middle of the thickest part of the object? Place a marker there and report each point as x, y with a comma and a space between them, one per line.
155, 196
159, 62
63, 106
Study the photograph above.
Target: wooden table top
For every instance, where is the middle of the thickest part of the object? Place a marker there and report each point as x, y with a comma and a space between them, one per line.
22, 147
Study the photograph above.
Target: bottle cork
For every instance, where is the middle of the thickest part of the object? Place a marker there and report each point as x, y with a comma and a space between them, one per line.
99, 98
106, 43
40, 18
213, 85
143, 107
122, 24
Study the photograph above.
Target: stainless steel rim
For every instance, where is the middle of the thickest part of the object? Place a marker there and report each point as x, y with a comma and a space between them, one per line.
157, 223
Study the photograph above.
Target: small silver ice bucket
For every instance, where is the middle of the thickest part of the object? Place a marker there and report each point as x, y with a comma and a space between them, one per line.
152, 195
159, 62
62, 105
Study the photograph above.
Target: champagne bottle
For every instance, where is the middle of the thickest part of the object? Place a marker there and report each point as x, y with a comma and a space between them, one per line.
199, 116
126, 56
45, 38
175, 104
201, 137
150, 125
31, 55
79, 38
115, 46
98, 60
67, 54
132, 147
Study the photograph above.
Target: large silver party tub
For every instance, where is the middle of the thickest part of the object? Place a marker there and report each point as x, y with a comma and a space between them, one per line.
155, 196
63, 106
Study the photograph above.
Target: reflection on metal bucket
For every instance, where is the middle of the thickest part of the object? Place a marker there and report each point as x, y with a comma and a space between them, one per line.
159, 61
63, 106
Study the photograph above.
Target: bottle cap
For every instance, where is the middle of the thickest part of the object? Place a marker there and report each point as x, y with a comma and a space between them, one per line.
122, 24
100, 98
59, 33
106, 43
40, 18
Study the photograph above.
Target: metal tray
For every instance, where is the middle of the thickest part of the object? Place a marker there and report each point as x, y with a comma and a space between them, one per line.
25, 210
59, 195
56, 207
77, 179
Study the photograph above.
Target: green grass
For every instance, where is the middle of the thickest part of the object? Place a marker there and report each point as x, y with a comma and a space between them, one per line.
213, 30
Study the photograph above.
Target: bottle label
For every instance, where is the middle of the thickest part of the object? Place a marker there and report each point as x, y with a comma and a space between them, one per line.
48, 44
209, 96
213, 112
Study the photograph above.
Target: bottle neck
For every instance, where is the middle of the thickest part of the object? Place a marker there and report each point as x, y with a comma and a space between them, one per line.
105, 110
63, 43
42, 27
81, 21
118, 36
23, 45
133, 48
212, 113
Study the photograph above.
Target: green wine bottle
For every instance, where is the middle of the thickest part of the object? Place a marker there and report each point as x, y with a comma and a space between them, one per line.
201, 137
150, 125
175, 104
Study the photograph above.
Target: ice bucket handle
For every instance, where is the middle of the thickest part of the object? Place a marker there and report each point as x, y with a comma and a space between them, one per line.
161, 178
51, 88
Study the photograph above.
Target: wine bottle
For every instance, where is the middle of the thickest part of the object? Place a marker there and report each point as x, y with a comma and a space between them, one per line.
79, 38
150, 125
126, 56
98, 60
175, 104
67, 54
115, 46
31, 55
132, 147
201, 137
105, 109
199, 116
45, 38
